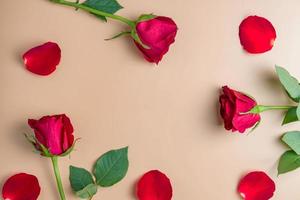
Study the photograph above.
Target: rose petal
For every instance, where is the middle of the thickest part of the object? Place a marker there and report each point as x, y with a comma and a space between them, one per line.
241, 122
256, 186
154, 185
227, 111
43, 59
257, 34
21, 187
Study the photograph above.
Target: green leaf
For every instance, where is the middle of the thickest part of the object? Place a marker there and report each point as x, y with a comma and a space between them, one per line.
290, 83
88, 192
289, 161
111, 167
290, 116
292, 139
108, 6
80, 178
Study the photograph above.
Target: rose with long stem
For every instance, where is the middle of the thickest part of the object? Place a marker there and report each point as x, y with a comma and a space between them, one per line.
240, 111
152, 34
53, 138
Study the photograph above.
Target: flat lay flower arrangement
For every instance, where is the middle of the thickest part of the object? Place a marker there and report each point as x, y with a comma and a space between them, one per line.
53, 136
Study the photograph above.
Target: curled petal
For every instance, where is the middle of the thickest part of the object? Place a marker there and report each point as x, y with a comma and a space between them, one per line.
256, 186
154, 185
43, 59
21, 187
244, 121
257, 34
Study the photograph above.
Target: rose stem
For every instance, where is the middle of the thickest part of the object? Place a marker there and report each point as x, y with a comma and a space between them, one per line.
95, 11
54, 160
262, 108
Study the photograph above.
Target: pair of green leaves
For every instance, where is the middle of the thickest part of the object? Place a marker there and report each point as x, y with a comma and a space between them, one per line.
290, 160
109, 169
292, 87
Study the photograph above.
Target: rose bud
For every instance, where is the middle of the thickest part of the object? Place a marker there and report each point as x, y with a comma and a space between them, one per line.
154, 35
53, 134
235, 110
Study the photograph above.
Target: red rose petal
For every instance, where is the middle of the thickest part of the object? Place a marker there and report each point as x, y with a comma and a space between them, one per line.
256, 186
21, 187
43, 59
154, 185
257, 34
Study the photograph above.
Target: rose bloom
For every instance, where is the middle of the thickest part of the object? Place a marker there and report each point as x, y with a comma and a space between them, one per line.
54, 132
157, 34
234, 108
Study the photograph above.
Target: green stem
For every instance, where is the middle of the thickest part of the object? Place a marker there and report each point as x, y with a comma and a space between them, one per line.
54, 160
261, 108
95, 11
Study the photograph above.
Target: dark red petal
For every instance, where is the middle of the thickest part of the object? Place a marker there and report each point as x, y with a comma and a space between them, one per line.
67, 132
21, 187
229, 93
256, 186
257, 34
43, 59
227, 111
154, 185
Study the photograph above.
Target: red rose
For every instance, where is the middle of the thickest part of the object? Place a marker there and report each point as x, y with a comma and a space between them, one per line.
54, 132
234, 105
157, 34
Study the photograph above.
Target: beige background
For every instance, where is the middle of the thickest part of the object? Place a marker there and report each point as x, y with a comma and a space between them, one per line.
166, 114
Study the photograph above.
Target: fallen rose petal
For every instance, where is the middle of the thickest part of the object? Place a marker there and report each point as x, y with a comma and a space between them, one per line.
21, 187
154, 185
256, 186
257, 34
43, 59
